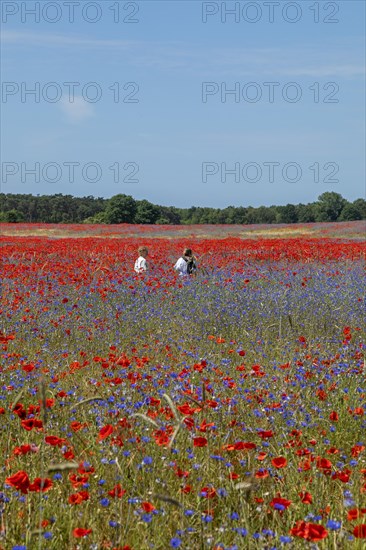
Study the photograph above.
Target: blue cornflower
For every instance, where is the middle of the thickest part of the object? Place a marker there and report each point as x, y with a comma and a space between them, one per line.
147, 460
104, 502
188, 513
48, 535
147, 518
334, 525
175, 542
234, 515
207, 518
285, 540
113, 524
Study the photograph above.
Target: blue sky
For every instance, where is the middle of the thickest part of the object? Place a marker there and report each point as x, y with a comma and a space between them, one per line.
175, 135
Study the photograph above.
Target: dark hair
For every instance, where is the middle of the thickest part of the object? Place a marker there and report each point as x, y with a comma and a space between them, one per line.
187, 252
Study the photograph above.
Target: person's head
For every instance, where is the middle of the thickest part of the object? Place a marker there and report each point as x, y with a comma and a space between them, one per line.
143, 251
187, 252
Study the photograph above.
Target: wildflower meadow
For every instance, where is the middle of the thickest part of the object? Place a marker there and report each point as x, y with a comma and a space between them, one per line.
220, 411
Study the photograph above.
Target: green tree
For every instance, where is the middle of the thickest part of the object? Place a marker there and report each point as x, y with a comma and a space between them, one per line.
146, 212
350, 212
360, 204
170, 213
329, 206
121, 209
97, 218
12, 216
265, 214
286, 214
306, 213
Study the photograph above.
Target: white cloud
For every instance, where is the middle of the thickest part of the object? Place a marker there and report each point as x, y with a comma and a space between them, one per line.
78, 110
304, 61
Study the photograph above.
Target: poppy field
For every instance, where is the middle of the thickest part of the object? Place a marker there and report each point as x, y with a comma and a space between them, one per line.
221, 411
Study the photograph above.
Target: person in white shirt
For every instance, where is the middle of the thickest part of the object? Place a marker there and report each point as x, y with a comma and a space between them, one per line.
141, 263
186, 265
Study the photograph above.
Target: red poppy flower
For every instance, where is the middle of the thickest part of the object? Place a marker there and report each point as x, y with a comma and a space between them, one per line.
105, 432
79, 497
28, 368
199, 442
309, 531
240, 446
306, 497
355, 513
208, 492
343, 475
79, 532
264, 434
69, 454
279, 502
22, 450
54, 440
357, 449
279, 462
20, 481
187, 409
204, 425
360, 531
261, 474
76, 426
41, 485
117, 491
147, 507
31, 423
19, 410
77, 480
324, 464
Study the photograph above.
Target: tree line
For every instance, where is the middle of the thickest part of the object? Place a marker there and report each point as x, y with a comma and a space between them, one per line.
329, 207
